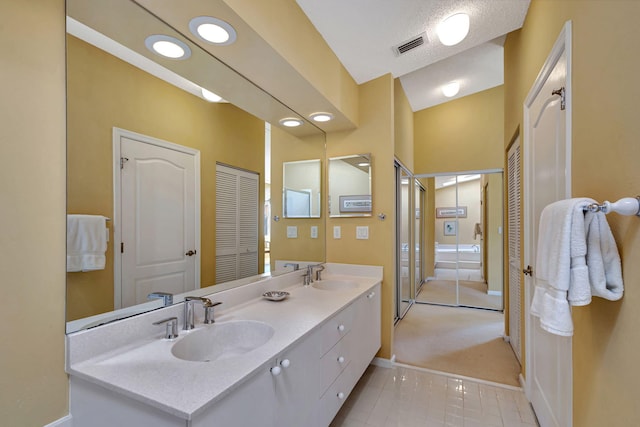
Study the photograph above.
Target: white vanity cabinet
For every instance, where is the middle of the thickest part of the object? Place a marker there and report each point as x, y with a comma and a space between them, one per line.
303, 385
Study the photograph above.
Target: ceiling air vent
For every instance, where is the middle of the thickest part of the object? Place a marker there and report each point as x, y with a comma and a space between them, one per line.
411, 44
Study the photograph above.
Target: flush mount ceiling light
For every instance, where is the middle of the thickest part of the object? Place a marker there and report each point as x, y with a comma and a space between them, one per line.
453, 29
167, 46
321, 117
213, 30
210, 96
451, 89
291, 122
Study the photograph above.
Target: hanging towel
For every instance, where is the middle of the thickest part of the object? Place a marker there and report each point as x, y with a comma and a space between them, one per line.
576, 258
603, 260
561, 275
86, 242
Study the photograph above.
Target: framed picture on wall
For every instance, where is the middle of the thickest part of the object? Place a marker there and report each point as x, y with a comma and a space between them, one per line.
450, 228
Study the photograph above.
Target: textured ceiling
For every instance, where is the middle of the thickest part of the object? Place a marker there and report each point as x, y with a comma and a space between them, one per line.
363, 33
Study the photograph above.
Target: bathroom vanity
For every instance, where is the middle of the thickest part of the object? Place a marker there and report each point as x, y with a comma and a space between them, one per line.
262, 363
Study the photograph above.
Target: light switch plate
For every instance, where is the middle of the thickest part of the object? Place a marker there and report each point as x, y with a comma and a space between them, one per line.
362, 232
292, 232
336, 231
314, 231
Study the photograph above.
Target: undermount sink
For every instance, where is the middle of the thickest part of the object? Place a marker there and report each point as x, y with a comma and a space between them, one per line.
335, 285
222, 340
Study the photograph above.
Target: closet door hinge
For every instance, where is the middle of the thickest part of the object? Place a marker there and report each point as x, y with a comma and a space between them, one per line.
121, 247
561, 93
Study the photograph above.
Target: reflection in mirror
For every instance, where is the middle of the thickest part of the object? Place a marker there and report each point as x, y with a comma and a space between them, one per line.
301, 190
350, 186
468, 242
119, 119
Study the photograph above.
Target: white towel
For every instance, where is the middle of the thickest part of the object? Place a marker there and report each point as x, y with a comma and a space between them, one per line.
561, 272
576, 258
86, 242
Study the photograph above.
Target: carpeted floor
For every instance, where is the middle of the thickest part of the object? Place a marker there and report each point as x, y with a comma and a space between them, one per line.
460, 341
471, 293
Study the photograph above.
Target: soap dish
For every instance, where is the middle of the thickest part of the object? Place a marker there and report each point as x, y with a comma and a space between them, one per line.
275, 295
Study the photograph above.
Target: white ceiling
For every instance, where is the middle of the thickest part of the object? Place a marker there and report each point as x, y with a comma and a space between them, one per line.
363, 33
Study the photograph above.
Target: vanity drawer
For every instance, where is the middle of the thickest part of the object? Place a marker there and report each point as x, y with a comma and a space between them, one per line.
336, 328
335, 396
334, 361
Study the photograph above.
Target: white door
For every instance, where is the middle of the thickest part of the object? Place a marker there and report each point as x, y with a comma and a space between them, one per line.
547, 165
159, 217
237, 199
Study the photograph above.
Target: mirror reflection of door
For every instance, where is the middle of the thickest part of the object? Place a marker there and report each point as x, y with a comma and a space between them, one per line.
237, 202
159, 219
467, 242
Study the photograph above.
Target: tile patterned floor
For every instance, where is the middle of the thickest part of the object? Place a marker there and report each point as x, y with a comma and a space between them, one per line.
408, 397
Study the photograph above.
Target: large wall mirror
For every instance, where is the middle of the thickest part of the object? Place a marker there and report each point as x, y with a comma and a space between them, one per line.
137, 120
350, 186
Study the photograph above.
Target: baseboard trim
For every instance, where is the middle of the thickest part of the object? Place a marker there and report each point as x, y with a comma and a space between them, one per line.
62, 422
384, 363
495, 293
461, 377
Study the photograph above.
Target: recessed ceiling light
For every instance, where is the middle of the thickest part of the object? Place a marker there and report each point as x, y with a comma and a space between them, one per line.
451, 89
453, 29
363, 164
291, 122
321, 117
167, 46
213, 30
210, 96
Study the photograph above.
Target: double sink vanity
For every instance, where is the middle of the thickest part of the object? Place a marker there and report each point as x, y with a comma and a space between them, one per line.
261, 363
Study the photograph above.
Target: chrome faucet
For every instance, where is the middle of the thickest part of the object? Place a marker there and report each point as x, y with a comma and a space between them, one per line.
319, 268
295, 265
307, 278
166, 297
189, 312
172, 327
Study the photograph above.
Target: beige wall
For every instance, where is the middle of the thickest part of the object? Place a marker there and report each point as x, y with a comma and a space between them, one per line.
402, 126
461, 135
375, 135
104, 92
32, 253
605, 151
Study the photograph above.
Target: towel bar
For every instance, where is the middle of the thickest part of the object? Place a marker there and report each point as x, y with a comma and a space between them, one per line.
624, 206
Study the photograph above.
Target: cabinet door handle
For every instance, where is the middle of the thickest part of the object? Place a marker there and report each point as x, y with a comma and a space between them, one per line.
341, 328
371, 295
285, 363
275, 371
341, 359
340, 395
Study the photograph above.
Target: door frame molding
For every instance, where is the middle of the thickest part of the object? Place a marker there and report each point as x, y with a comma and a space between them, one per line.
118, 134
561, 45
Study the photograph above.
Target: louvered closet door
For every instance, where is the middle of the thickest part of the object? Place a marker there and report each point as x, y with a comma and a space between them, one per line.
515, 309
236, 223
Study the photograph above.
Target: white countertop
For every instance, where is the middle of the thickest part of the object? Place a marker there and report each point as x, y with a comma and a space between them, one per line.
144, 368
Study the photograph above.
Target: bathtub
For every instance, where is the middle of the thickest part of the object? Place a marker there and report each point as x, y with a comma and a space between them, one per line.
462, 256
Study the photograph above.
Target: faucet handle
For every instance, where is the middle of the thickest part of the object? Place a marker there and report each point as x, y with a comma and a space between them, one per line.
172, 327
208, 311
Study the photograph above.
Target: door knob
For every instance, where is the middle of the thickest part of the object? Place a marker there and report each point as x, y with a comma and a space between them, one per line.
528, 271
190, 253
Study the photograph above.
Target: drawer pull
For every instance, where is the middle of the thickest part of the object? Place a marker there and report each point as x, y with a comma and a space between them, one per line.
341, 359
285, 363
371, 295
340, 395
341, 328
275, 371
